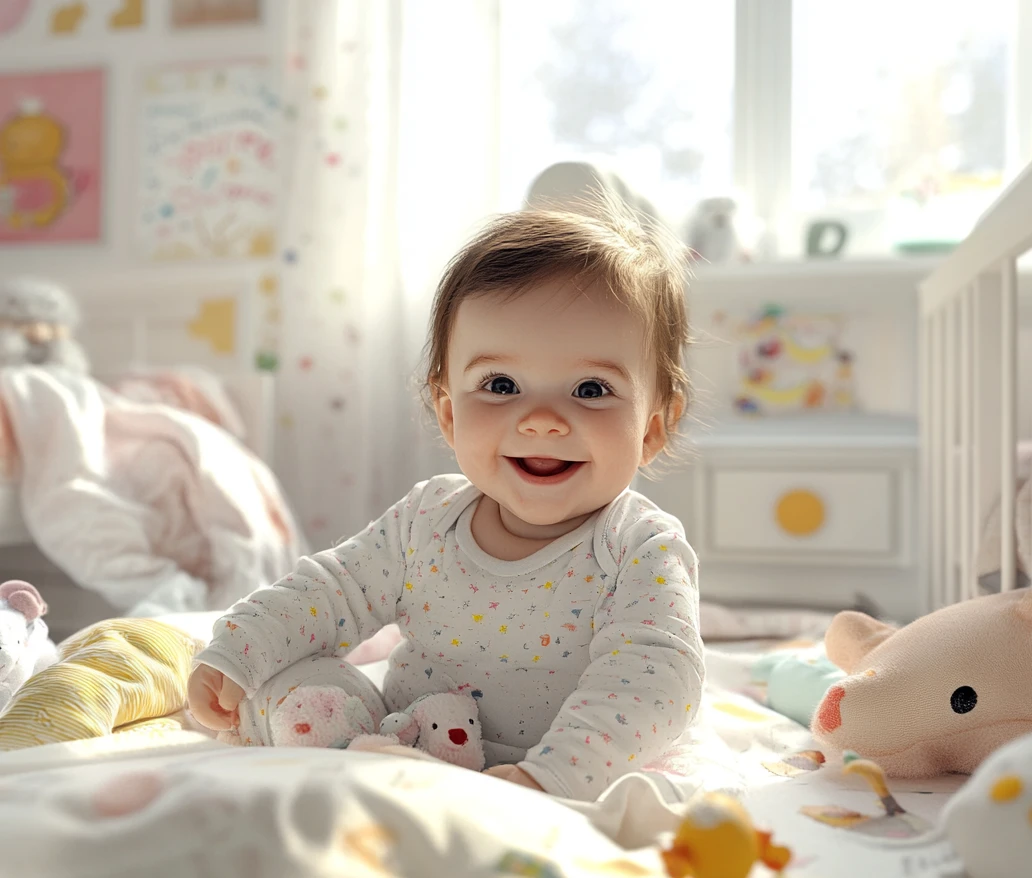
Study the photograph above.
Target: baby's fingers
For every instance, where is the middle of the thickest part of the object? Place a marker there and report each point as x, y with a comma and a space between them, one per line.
230, 695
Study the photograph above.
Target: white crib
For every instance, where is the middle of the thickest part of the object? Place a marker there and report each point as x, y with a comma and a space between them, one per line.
969, 398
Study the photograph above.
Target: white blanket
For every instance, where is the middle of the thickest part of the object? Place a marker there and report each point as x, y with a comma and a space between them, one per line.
172, 801
156, 509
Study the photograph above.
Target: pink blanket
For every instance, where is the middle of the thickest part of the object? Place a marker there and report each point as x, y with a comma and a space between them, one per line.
157, 509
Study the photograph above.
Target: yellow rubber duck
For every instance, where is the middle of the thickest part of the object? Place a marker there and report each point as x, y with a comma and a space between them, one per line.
717, 839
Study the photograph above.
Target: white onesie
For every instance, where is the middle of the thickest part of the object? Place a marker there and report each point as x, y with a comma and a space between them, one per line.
585, 657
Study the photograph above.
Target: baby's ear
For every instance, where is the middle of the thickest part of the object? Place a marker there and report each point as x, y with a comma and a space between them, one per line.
851, 636
445, 413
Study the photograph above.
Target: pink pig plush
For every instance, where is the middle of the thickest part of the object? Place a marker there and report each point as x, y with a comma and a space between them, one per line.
936, 696
445, 725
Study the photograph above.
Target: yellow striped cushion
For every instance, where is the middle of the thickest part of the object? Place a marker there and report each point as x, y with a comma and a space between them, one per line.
117, 672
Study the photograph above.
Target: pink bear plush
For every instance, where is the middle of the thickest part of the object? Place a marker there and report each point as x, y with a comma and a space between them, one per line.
445, 725
936, 696
25, 644
320, 716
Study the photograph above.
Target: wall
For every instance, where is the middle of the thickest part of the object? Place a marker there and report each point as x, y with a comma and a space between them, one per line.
143, 58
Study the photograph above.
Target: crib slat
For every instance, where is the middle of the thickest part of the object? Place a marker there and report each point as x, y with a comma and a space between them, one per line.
951, 582
968, 585
979, 352
936, 449
1008, 419
924, 519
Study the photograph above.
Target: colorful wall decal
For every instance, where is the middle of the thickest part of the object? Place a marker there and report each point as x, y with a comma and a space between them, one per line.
203, 13
51, 156
12, 14
209, 163
128, 15
215, 323
67, 17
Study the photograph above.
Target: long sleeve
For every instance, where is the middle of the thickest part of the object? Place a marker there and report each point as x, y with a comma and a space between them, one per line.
644, 681
330, 603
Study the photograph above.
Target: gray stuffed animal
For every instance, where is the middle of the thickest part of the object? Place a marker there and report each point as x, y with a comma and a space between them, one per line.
37, 322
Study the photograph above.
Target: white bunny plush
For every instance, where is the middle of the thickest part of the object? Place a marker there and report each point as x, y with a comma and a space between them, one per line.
25, 644
445, 725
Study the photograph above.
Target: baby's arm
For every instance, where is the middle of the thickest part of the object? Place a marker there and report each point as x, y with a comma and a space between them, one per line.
642, 688
331, 602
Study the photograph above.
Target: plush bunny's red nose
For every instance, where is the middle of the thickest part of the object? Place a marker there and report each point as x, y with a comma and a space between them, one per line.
830, 715
457, 736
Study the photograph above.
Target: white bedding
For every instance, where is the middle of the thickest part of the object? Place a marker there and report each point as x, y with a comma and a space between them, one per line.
154, 508
197, 807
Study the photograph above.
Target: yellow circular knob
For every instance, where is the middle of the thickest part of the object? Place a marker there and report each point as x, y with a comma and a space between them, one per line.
800, 513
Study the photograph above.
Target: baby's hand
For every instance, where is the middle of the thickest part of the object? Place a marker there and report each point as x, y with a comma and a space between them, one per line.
213, 699
514, 775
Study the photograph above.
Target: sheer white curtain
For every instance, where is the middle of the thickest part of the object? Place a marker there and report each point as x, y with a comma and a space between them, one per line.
391, 151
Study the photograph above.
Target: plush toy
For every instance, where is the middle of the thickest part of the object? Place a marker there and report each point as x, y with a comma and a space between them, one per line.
445, 725
989, 820
796, 681
25, 645
320, 716
37, 324
936, 696
717, 839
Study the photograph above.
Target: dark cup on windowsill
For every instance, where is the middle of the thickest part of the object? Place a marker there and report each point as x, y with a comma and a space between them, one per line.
826, 238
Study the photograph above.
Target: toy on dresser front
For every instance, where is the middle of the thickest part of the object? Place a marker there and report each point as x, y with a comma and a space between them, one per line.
561, 604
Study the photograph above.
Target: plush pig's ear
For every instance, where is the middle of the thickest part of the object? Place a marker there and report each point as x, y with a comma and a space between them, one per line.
851, 636
1025, 606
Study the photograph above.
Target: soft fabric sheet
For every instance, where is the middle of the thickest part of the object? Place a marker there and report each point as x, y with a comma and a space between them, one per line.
167, 799
156, 509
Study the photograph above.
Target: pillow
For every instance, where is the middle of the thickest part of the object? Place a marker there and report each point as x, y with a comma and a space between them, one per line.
111, 674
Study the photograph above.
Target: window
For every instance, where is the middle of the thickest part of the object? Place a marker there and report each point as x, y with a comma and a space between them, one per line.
647, 88
900, 118
900, 114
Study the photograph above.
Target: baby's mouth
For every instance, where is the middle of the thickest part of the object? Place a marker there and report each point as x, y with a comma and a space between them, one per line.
543, 466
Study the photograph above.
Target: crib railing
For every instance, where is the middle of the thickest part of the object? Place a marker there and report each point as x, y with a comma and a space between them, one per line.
969, 398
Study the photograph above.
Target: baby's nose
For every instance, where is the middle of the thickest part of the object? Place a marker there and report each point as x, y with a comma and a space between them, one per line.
544, 421
457, 736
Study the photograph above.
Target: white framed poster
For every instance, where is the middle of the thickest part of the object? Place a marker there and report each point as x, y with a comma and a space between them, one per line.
209, 163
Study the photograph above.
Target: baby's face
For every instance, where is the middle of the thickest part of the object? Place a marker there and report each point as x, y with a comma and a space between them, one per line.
549, 403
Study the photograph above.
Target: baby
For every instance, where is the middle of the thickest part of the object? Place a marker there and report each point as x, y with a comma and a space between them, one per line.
564, 602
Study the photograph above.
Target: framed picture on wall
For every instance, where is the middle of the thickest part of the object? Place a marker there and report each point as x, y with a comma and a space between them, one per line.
51, 156
209, 160
205, 13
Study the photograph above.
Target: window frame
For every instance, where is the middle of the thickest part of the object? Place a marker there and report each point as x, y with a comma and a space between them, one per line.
763, 105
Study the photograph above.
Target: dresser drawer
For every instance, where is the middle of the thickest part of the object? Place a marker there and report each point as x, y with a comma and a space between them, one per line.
797, 514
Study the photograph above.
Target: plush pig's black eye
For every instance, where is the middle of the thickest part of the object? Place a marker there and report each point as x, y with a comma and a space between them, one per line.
963, 700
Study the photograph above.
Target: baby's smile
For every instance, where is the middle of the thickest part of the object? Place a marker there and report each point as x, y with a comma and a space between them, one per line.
544, 470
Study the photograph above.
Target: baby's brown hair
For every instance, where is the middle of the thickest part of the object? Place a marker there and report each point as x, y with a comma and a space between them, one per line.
601, 243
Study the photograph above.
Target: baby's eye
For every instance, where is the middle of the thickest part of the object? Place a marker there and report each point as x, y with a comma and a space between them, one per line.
501, 385
593, 389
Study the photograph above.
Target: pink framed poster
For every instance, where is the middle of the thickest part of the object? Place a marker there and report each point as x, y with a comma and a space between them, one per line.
51, 156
